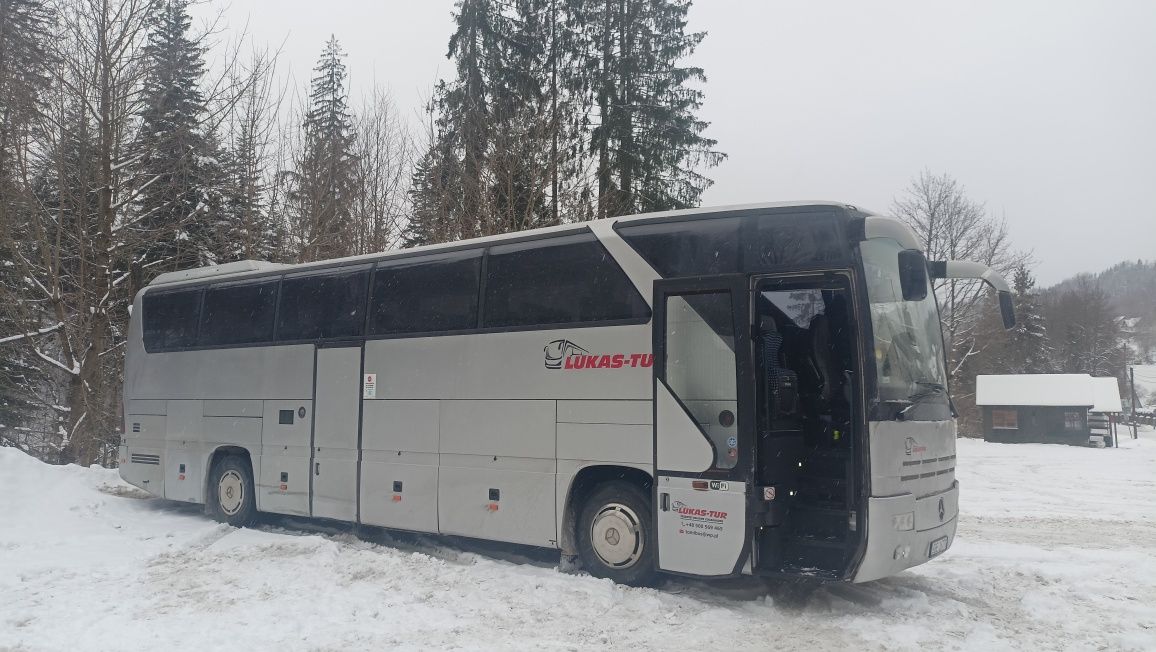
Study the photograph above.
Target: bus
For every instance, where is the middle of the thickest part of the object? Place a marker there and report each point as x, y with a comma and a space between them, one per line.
709, 392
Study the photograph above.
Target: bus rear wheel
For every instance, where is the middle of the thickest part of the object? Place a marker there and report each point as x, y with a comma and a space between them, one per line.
616, 534
231, 497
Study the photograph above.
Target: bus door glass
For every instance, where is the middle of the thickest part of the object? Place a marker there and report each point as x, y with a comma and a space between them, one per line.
701, 426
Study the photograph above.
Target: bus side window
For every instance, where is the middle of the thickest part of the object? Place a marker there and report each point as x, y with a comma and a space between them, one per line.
427, 294
564, 280
238, 314
322, 306
170, 319
687, 248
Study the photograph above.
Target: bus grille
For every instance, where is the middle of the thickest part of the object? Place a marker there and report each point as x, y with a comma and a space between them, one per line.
145, 458
928, 468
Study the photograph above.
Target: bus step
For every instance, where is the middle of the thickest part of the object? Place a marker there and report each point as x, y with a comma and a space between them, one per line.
820, 508
805, 502
817, 542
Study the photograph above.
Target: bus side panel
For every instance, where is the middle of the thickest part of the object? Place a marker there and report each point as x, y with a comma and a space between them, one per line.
399, 468
264, 372
283, 479
144, 448
498, 468
598, 433
184, 476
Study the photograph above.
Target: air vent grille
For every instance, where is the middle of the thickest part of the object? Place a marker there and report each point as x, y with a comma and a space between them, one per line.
145, 458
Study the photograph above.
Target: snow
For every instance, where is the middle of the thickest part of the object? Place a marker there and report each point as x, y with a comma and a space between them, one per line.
1106, 392
1059, 390
1056, 550
1145, 375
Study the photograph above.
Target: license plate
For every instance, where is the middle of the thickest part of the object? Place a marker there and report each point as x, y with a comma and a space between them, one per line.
937, 547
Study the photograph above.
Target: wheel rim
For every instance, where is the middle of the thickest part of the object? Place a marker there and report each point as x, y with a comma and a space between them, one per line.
616, 536
231, 492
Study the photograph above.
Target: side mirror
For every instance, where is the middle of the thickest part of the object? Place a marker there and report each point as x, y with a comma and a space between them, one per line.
1007, 309
913, 275
968, 269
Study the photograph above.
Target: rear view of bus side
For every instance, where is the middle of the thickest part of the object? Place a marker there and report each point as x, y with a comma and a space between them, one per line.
714, 392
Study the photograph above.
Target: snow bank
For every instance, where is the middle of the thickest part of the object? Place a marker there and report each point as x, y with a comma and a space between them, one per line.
87, 564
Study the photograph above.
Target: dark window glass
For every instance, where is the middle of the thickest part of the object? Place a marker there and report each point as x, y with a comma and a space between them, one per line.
426, 294
688, 248
724, 245
322, 306
782, 239
563, 280
170, 319
238, 314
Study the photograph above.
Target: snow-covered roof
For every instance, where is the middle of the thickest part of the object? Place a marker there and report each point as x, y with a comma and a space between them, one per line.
1106, 391
1060, 390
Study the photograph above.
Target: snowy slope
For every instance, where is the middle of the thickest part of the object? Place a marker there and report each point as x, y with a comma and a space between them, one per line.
1056, 550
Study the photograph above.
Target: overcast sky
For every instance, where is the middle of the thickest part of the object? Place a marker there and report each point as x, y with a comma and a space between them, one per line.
1045, 111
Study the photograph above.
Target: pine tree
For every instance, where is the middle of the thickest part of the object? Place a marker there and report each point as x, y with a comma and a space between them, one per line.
1028, 348
648, 141
25, 60
520, 157
325, 174
248, 231
178, 161
436, 199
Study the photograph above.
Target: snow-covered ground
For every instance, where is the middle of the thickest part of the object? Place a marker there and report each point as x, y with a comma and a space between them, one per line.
1056, 550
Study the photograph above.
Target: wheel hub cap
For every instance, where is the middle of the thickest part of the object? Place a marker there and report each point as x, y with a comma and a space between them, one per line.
616, 536
231, 492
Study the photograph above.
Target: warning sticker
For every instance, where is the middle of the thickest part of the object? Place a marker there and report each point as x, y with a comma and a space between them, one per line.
369, 386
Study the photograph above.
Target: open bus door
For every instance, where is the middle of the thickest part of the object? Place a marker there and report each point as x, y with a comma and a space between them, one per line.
703, 424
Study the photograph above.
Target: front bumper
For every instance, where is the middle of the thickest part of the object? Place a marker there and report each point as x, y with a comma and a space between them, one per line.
890, 550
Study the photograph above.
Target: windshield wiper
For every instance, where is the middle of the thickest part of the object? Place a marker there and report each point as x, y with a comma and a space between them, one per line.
930, 389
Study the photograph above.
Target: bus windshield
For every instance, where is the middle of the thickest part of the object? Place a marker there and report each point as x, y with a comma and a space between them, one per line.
909, 360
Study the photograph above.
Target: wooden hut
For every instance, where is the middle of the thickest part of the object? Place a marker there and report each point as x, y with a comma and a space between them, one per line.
1049, 408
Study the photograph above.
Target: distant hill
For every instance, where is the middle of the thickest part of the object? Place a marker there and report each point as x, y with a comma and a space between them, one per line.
1131, 287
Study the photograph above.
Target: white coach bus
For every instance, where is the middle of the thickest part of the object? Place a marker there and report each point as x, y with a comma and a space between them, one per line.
755, 389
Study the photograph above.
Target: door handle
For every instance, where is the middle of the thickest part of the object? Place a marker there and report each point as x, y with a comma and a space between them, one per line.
664, 502
317, 468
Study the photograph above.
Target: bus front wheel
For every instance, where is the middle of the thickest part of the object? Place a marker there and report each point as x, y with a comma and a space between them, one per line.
231, 496
616, 534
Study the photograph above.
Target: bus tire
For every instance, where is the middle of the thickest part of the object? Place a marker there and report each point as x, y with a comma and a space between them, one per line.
232, 498
616, 537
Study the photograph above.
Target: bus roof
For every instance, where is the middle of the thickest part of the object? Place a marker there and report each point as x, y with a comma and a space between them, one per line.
247, 267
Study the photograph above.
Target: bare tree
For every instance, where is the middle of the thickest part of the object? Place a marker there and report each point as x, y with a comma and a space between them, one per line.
71, 248
1087, 329
951, 226
384, 149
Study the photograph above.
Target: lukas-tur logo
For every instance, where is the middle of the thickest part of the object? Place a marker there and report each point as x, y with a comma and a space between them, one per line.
912, 446
566, 355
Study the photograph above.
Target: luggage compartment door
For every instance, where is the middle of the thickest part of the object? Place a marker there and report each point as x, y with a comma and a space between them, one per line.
336, 420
